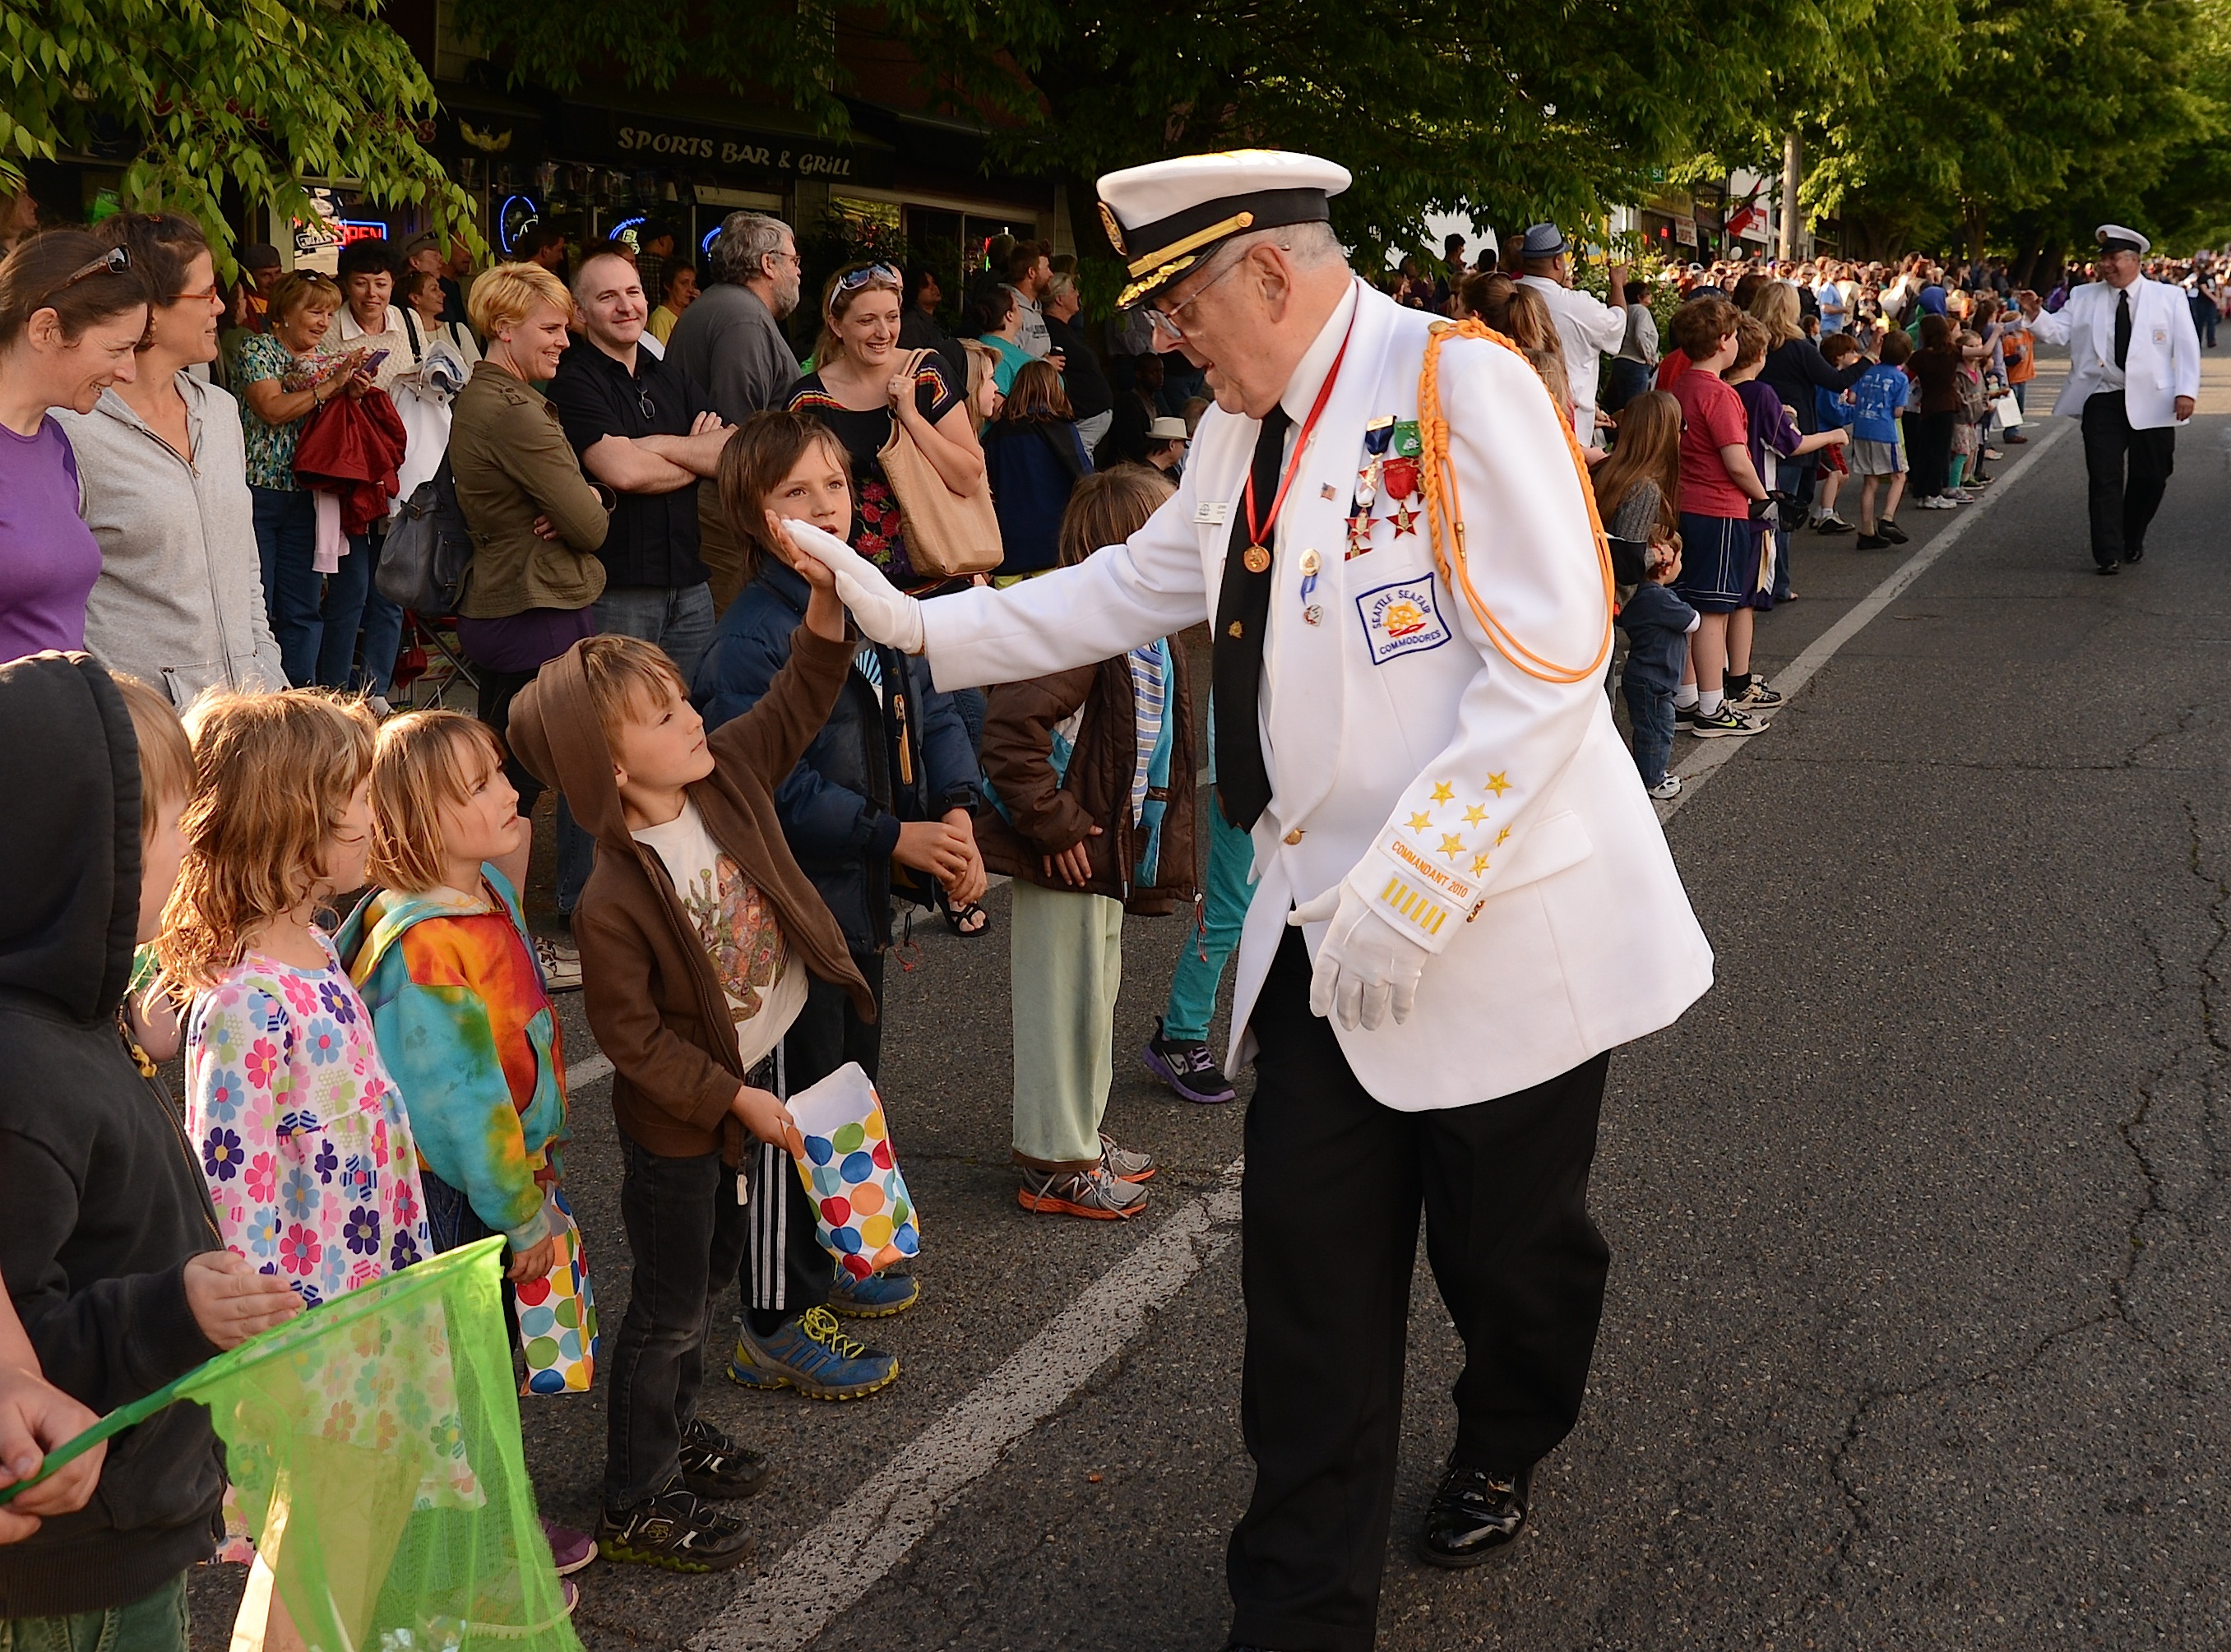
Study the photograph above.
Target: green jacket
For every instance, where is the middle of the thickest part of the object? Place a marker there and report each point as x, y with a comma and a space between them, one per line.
513, 463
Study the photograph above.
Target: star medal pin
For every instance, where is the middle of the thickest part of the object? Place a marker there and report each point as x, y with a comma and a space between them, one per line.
1359, 532
1402, 478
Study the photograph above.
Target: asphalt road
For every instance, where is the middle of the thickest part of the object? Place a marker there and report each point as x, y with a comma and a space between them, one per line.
1919, 1219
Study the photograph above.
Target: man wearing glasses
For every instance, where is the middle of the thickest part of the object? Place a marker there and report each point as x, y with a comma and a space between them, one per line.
730, 344
1463, 901
644, 430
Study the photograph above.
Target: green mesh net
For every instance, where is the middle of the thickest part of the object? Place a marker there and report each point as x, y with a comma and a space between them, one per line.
373, 1446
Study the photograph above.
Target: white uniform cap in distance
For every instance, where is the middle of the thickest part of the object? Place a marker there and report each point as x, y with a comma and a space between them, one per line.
2114, 237
1163, 218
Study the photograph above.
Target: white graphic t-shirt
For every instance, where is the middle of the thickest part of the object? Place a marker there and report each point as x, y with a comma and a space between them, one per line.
757, 968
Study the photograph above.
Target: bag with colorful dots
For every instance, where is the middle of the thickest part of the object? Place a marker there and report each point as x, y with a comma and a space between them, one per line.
844, 1158
558, 1313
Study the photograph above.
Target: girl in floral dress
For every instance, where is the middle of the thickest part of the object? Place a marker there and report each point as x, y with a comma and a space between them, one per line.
301, 1132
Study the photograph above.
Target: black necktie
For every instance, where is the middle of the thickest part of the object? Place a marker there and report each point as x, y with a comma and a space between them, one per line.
2122, 334
1243, 610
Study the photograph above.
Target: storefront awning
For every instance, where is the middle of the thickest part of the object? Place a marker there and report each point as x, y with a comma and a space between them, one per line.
634, 138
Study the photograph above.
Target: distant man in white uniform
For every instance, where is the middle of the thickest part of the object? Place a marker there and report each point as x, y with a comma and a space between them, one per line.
1463, 899
1587, 328
2133, 377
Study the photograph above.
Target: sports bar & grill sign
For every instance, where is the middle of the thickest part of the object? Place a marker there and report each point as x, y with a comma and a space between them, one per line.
638, 141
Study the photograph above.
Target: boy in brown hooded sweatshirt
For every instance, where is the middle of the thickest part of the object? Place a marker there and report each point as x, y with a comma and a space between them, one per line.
697, 930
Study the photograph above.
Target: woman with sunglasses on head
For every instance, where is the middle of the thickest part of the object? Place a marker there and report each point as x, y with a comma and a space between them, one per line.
284, 376
179, 603
860, 385
71, 312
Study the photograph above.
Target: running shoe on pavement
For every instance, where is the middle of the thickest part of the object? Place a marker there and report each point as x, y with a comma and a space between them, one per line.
1872, 542
1831, 523
1186, 1066
1685, 717
676, 1531
561, 963
1758, 698
1125, 1164
715, 1467
1095, 1194
571, 1550
811, 1354
1723, 723
1891, 530
877, 1297
1669, 787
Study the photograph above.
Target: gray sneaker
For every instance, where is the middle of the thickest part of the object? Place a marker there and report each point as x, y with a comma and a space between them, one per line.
1094, 1194
1124, 1164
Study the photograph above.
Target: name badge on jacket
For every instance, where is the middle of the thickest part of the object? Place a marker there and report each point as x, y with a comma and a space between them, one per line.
1400, 618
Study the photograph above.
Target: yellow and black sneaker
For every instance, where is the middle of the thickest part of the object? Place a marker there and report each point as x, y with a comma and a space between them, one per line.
675, 1531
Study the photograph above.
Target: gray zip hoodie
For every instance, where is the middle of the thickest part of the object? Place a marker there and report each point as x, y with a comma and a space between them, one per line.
179, 601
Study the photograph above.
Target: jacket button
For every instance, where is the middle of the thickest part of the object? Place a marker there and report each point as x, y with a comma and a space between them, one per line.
1294, 836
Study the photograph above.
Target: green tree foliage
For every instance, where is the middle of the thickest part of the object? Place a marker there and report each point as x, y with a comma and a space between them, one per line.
2025, 122
1510, 111
259, 94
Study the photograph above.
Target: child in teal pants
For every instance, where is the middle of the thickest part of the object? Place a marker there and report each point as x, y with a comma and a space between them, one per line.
1178, 1054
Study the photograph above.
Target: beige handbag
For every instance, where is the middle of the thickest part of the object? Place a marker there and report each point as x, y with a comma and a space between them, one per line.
948, 536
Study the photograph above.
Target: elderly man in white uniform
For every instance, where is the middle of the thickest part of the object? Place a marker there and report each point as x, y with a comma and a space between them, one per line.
2133, 377
1463, 899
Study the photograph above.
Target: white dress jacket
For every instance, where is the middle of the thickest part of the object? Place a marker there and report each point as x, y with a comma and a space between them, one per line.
2163, 362
1494, 818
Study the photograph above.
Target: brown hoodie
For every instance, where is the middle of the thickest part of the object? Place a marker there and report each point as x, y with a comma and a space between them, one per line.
653, 999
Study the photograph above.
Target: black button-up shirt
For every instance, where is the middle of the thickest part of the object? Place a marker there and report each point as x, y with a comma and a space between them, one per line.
654, 536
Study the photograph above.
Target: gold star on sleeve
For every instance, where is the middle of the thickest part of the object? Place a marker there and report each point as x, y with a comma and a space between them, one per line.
1452, 845
1474, 815
1501, 835
1499, 783
1478, 865
1420, 822
1443, 792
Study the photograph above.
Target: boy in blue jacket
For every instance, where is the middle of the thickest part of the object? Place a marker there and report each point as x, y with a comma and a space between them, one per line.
1657, 625
888, 783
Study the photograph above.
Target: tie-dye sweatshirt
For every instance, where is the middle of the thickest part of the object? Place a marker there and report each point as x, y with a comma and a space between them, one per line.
466, 1028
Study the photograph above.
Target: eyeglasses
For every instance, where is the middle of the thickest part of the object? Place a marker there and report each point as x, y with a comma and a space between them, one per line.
643, 400
1167, 321
117, 261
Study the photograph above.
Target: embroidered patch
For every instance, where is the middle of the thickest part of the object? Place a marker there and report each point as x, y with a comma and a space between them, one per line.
1399, 619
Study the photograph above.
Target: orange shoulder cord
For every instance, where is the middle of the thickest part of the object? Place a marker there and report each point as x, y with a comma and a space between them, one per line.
1444, 520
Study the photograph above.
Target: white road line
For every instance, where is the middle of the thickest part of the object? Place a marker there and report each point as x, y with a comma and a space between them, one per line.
1711, 755
833, 1566
586, 1071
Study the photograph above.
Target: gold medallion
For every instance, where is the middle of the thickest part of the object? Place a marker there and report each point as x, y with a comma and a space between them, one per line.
1258, 559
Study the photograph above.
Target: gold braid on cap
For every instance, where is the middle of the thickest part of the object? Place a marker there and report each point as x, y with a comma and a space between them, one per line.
1445, 522
1193, 242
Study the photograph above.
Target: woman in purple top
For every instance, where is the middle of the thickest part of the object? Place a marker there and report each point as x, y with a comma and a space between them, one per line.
72, 310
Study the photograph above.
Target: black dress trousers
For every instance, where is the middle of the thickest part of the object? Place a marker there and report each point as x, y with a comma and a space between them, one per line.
1334, 1181
2122, 508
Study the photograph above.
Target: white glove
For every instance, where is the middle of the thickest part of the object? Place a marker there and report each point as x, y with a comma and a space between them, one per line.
883, 613
1365, 965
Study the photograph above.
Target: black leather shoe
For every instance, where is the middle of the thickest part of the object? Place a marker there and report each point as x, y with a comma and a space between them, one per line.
2134, 553
1476, 1515
2110, 568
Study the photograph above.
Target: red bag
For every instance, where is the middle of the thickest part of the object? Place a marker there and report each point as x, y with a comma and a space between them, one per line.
353, 447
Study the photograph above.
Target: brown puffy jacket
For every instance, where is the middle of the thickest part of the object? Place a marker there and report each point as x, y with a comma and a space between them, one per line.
1050, 816
652, 997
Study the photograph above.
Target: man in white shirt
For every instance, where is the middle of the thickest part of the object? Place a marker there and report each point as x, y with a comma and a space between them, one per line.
1029, 270
1587, 328
2133, 377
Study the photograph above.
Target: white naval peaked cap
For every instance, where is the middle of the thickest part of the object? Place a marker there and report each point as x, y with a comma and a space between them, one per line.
1165, 217
2111, 236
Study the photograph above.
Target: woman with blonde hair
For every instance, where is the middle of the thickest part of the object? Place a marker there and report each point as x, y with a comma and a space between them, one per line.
1795, 368
863, 387
537, 524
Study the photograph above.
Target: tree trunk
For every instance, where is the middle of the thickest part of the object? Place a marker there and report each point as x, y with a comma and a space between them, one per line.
1791, 177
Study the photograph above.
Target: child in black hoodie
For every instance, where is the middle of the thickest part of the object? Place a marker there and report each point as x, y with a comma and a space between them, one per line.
109, 1249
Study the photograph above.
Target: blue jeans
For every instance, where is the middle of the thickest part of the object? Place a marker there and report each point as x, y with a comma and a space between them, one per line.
679, 618
353, 600
1649, 709
287, 540
1201, 965
156, 1623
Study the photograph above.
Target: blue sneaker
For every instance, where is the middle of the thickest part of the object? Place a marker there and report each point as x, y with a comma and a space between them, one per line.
813, 1355
877, 1297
